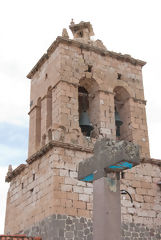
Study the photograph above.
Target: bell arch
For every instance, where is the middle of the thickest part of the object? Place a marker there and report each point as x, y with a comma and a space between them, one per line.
88, 106
124, 85
122, 113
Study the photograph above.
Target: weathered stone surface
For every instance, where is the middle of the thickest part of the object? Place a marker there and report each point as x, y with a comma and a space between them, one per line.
67, 227
62, 227
106, 153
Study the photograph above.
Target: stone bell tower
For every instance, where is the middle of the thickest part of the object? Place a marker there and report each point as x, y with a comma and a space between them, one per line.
81, 75
78, 89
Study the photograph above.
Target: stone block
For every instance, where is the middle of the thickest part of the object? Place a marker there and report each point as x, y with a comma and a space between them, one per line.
84, 213
139, 198
88, 190
64, 173
149, 199
141, 191
84, 197
70, 180
66, 188
79, 204
78, 189
72, 196
146, 185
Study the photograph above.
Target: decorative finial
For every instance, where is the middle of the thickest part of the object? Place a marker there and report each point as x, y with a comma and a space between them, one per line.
65, 33
9, 169
72, 22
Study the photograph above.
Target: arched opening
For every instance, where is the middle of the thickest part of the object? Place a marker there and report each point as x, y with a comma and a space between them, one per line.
88, 109
38, 122
122, 114
49, 108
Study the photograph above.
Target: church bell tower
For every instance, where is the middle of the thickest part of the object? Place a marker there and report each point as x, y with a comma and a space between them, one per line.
80, 93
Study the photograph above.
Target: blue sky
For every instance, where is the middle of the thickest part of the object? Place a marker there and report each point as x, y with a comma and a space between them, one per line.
27, 30
13, 143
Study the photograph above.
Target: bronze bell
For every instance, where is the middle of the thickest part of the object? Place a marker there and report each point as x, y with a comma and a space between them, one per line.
118, 123
85, 124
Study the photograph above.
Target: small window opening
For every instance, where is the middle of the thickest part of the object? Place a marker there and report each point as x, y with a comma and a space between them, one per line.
122, 175
119, 76
22, 185
46, 76
81, 34
33, 176
89, 68
31, 190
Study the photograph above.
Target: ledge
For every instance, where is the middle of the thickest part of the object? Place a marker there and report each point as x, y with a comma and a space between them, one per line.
141, 101
152, 161
15, 172
10, 176
52, 144
100, 51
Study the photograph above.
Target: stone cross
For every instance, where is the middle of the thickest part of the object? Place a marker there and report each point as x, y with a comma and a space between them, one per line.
103, 169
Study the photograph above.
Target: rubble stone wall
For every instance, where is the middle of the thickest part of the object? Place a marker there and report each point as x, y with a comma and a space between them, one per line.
63, 227
138, 231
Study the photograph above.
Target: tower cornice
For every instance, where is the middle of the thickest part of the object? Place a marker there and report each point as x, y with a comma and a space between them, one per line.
86, 46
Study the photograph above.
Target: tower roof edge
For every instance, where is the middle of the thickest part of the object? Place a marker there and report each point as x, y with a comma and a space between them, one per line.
88, 47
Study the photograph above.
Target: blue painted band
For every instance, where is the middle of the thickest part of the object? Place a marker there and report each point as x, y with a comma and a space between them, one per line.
89, 178
122, 165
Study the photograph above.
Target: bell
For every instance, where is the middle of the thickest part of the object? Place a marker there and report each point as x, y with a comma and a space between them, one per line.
85, 124
118, 123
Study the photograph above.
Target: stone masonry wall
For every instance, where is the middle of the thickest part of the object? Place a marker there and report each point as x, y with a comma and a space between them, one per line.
49, 186
137, 231
71, 70
61, 227
141, 182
